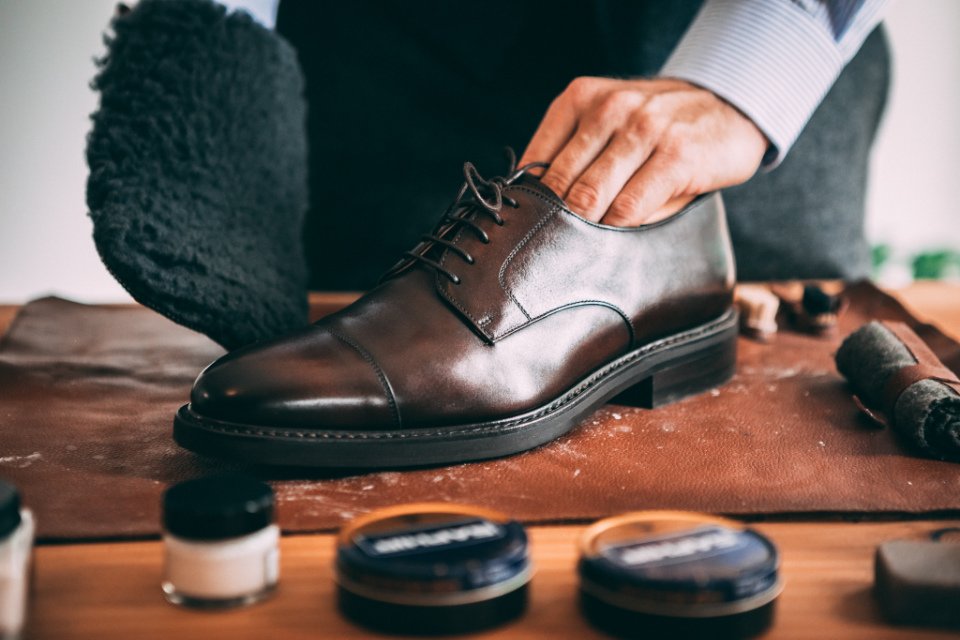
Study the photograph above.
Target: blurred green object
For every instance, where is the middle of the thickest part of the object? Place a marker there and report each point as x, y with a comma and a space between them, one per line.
879, 255
897, 268
936, 265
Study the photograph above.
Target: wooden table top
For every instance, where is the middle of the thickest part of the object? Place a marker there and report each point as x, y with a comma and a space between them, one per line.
112, 590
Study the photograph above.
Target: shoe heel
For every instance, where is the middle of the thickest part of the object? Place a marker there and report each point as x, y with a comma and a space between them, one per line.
684, 376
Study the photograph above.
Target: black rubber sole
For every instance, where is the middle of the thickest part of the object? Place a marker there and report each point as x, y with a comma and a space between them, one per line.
656, 374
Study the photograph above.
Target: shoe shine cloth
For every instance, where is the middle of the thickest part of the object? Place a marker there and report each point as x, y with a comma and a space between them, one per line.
197, 185
899, 381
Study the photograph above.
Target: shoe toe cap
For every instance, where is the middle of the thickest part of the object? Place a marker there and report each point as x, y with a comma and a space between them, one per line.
310, 379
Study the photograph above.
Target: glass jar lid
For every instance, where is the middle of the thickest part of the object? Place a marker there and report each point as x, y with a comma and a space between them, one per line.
218, 507
9, 508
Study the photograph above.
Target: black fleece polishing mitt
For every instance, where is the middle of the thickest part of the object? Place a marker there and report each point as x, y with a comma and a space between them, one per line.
197, 186
899, 381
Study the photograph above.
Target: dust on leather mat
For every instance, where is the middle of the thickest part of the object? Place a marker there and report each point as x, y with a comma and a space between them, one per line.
87, 397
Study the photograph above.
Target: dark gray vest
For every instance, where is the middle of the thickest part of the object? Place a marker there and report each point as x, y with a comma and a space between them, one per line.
402, 93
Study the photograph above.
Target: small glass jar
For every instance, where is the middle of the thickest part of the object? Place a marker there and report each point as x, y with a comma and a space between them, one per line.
221, 543
672, 574
16, 542
432, 568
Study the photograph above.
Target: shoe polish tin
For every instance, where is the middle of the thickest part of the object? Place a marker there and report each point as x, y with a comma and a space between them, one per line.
432, 568
669, 574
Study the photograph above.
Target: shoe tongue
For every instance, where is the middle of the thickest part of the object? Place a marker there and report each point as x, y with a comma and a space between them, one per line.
533, 182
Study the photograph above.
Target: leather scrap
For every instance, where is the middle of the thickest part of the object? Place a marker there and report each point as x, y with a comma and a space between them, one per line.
928, 367
88, 393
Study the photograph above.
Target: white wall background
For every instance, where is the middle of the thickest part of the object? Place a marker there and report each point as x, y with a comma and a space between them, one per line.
916, 164
46, 53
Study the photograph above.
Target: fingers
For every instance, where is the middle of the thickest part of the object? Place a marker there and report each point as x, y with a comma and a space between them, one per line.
553, 133
594, 132
630, 152
560, 122
672, 206
593, 193
588, 142
656, 189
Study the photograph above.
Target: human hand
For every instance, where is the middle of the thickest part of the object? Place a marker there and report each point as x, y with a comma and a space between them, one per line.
631, 152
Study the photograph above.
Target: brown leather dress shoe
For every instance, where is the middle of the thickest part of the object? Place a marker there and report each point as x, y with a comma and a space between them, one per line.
503, 329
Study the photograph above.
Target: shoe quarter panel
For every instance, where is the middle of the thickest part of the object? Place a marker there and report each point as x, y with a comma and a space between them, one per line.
661, 277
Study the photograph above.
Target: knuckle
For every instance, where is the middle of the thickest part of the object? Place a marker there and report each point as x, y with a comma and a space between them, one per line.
556, 180
624, 209
656, 104
616, 104
557, 104
638, 129
588, 137
640, 123
679, 131
584, 196
671, 153
651, 121
580, 87
675, 145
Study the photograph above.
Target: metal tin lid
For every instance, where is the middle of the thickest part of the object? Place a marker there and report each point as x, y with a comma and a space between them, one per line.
678, 564
9, 508
217, 507
430, 554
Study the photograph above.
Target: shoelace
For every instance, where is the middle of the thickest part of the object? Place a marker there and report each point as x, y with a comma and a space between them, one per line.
476, 195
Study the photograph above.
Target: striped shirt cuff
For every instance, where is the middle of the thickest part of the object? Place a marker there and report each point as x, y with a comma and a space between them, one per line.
768, 58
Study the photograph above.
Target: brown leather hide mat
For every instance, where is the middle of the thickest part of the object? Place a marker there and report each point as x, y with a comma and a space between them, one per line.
87, 397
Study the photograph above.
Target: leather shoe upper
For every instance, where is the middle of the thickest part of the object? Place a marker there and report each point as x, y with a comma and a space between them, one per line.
512, 300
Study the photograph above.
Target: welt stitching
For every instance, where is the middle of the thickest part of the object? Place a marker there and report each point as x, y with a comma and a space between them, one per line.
567, 398
387, 389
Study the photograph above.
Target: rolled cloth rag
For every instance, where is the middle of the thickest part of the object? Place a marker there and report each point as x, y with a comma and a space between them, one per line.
893, 372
